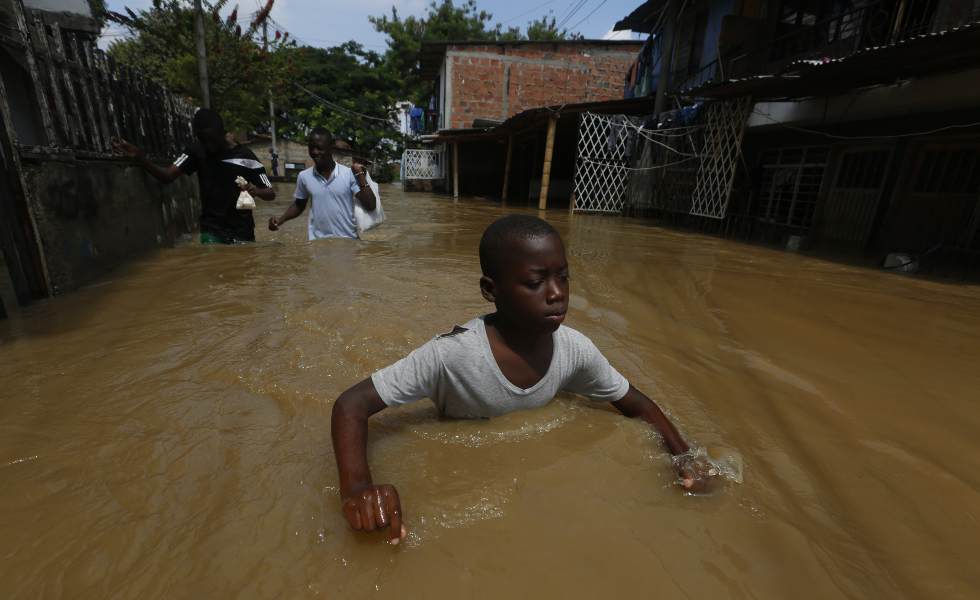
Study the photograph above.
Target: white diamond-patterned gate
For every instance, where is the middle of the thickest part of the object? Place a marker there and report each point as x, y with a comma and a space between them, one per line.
606, 142
601, 169
719, 160
422, 163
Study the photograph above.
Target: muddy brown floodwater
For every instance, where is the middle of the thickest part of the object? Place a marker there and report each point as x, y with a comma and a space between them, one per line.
164, 433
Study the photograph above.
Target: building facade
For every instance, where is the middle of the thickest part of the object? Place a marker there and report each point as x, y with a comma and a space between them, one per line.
478, 83
861, 128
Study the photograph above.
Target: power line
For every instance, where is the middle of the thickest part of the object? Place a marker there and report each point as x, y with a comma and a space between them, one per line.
625, 168
576, 6
339, 107
525, 13
866, 137
573, 27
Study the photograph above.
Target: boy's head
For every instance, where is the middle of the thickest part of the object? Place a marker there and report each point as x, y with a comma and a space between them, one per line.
320, 144
209, 129
525, 273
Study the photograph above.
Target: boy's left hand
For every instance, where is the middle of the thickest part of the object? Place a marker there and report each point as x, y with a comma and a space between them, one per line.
694, 473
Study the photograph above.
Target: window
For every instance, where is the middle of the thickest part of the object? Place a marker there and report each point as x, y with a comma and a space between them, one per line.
791, 180
949, 171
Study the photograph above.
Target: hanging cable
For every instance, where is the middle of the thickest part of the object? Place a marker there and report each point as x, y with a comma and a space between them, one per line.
586, 18
576, 6
339, 107
625, 168
865, 137
525, 13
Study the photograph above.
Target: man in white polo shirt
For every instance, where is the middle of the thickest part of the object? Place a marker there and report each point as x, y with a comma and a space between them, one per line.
333, 188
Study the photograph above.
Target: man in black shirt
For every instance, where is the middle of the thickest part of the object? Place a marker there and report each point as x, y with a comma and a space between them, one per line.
217, 163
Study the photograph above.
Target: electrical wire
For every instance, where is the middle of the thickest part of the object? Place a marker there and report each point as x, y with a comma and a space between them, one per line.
586, 18
525, 13
866, 137
339, 107
576, 6
625, 168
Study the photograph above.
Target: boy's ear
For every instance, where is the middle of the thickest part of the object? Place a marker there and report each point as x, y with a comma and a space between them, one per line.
488, 289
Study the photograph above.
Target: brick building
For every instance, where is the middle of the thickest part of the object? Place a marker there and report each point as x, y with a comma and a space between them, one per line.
486, 83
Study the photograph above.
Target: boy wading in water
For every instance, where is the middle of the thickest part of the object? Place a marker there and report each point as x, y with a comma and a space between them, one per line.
516, 358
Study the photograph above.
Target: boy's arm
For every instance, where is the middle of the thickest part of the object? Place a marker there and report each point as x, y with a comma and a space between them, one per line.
265, 193
635, 404
259, 185
163, 174
367, 506
292, 211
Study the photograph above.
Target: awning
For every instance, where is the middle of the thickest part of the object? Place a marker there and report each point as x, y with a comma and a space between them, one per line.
944, 51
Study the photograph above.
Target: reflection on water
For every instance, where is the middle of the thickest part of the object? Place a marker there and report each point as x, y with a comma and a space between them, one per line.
165, 432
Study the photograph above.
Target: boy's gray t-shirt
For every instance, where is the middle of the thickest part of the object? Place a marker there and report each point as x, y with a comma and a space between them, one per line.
458, 372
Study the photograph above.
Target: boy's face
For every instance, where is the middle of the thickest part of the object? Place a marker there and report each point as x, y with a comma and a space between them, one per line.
531, 286
321, 151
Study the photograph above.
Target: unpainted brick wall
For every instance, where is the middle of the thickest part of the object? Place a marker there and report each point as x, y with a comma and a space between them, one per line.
497, 82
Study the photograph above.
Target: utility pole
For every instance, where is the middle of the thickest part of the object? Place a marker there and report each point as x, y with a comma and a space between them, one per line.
272, 106
202, 55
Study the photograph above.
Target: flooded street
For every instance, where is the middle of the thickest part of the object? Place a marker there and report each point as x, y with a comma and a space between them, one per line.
164, 433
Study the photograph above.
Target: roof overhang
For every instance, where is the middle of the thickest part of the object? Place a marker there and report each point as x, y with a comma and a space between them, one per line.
538, 117
643, 18
918, 56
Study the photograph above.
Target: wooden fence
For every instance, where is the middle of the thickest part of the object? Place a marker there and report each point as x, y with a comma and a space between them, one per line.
79, 100
84, 99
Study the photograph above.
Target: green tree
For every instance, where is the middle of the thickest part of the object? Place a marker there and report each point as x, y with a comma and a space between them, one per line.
345, 89
544, 30
161, 47
444, 22
99, 11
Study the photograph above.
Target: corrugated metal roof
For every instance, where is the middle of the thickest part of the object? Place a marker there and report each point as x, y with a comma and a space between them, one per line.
915, 56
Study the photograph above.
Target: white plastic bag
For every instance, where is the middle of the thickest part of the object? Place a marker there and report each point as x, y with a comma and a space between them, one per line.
368, 220
245, 200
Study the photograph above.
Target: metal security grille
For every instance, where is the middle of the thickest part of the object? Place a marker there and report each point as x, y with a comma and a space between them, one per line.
791, 180
602, 171
418, 163
722, 146
848, 212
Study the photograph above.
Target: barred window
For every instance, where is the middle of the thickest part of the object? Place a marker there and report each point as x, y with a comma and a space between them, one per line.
791, 180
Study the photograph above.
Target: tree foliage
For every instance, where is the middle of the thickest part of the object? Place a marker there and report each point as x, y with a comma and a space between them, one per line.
445, 22
240, 71
347, 89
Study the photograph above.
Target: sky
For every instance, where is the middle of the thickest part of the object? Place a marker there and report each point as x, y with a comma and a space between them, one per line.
329, 23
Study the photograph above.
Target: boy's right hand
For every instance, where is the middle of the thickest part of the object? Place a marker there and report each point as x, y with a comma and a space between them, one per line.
274, 223
376, 507
124, 147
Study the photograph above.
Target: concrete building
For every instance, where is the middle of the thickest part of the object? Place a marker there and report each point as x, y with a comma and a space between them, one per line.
476, 82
